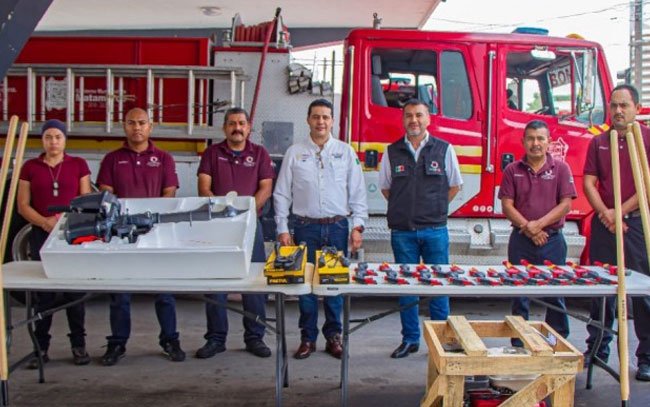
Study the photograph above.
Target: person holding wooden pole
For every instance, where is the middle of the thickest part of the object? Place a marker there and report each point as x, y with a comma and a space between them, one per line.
599, 189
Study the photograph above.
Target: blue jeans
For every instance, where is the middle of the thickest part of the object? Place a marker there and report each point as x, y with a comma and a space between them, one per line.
217, 316
430, 245
120, 317
317, 236
521, 247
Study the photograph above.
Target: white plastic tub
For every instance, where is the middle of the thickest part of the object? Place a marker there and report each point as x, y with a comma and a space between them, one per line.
218, 248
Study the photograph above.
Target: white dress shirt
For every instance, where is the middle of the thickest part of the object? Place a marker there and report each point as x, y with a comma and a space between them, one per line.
452, 169
320, 183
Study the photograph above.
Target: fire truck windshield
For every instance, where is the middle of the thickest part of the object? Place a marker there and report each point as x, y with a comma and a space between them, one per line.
567, 87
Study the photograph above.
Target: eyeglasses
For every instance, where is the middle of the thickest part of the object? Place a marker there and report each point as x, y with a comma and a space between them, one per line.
319, 157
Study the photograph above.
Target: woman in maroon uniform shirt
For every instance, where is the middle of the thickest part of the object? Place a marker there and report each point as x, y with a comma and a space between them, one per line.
54, 178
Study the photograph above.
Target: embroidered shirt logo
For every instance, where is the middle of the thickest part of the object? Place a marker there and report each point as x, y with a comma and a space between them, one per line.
548, 175
249, 161
153, 162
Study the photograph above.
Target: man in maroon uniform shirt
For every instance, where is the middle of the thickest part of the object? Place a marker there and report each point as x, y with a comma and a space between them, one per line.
237, 164
599, 188
536, 194
139, 170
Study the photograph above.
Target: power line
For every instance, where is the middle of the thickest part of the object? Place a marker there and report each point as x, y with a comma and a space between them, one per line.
490, 26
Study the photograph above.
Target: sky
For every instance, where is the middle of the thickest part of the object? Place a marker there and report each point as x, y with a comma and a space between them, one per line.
604, 21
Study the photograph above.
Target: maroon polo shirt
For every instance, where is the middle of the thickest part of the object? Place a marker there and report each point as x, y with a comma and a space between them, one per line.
138, 175
536, 193
41, 178
236, 172
599, 164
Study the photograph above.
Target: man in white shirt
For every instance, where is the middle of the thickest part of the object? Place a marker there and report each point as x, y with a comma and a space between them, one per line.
419, 176
322, 178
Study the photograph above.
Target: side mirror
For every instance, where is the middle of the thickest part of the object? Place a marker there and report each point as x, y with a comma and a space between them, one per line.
590, 71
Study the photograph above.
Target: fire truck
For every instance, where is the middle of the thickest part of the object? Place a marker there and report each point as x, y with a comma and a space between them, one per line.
481, 90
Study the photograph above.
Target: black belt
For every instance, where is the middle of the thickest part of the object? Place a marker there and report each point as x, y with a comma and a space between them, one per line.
320, 221
552, 232
633, 214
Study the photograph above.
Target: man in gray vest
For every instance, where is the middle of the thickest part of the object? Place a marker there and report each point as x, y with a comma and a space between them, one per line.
419, 176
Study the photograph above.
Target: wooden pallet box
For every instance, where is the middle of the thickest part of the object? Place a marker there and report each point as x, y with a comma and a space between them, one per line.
557, 365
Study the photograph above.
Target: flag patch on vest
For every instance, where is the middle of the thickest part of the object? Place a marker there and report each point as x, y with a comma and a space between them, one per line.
399, 169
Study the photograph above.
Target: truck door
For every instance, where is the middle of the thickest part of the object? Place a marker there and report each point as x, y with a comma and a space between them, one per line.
437, 74
560, 86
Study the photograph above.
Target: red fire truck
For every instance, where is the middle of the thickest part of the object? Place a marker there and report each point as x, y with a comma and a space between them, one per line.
481, 90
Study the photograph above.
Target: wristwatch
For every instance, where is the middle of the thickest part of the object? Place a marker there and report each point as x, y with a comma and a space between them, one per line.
359, 228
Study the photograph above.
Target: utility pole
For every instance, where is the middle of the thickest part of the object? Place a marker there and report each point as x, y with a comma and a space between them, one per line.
636, 45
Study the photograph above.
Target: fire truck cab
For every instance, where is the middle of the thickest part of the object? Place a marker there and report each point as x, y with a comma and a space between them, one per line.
481, 90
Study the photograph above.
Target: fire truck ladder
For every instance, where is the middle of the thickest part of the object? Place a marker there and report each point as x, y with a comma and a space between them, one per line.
200, 107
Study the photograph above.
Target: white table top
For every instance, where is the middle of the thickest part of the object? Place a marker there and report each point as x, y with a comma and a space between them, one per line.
636, 284
29, 275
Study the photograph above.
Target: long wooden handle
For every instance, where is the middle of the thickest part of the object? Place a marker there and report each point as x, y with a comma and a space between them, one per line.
18, 162
6, 156
13, 186
620, 263
640, 179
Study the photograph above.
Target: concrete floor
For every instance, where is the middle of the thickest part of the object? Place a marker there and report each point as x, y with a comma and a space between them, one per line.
235, 378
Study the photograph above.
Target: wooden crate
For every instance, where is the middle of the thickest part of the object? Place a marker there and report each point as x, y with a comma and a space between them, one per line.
557, 365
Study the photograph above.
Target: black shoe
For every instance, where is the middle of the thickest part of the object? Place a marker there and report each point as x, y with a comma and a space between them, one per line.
173, 351
211, 348
258, 348
114, 352
33, 362
79, 356
404, 349
643, 373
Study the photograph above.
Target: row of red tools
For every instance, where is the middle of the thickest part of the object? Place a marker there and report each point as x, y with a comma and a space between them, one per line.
511, 275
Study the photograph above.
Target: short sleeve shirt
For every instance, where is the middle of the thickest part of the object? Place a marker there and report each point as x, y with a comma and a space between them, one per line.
138, 175
236, 172
41, 178
599, 164
536, 193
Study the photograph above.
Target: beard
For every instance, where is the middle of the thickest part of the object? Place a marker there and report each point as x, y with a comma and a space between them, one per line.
414, 132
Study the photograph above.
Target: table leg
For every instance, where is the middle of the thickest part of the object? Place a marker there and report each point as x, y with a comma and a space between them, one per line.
346, 350
30, 330
594, 348
285, 367
280, 357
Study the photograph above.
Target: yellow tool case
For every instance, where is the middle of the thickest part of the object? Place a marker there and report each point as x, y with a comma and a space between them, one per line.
332, 266
286, 265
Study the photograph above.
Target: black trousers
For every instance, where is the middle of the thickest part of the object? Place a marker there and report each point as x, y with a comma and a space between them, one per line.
521, 247
46, 300
603, 248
